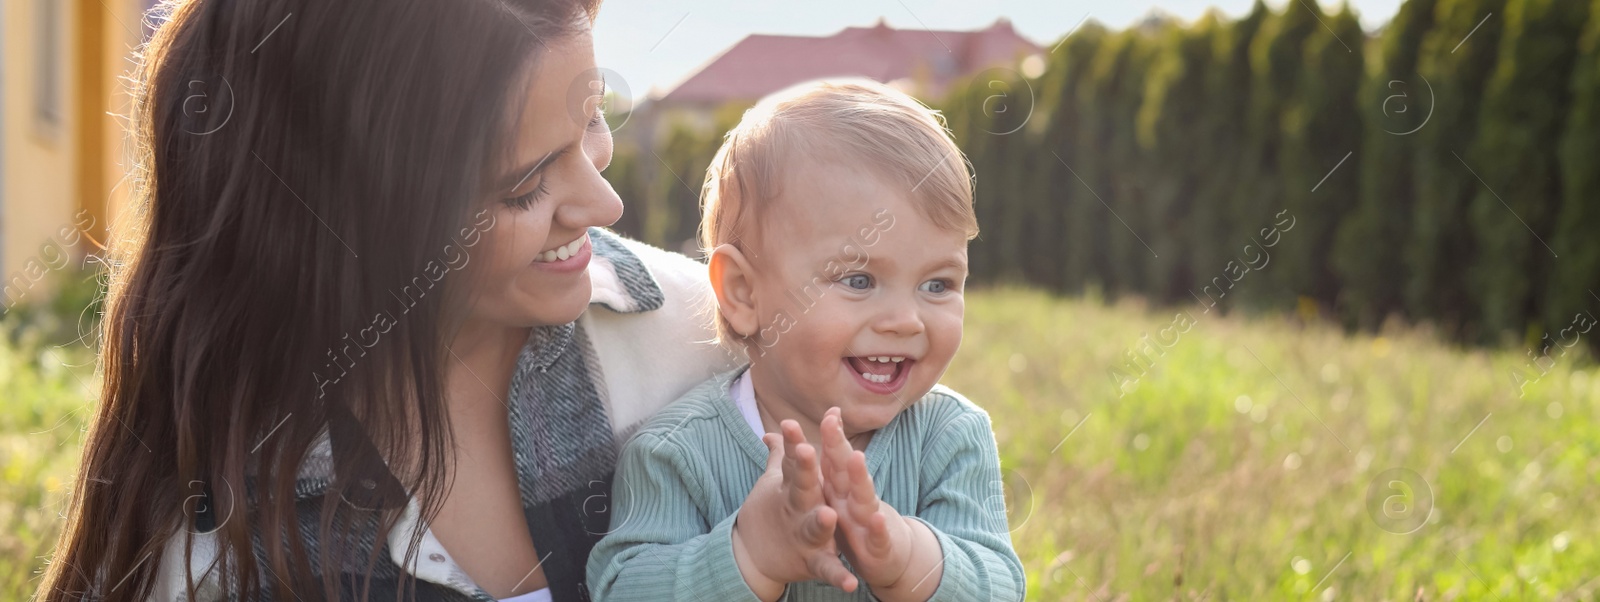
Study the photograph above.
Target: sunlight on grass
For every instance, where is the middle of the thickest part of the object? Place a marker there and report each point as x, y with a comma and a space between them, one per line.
45, 389
1245, 461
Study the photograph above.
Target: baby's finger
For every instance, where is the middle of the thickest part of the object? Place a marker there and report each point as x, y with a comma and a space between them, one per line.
792, 436
803, 476
834, 490
816, 529
775, 453
828, 568
862, 491
836, 448
836, 495
878, 542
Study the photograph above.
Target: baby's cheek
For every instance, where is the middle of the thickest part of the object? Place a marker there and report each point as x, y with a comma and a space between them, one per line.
947, 328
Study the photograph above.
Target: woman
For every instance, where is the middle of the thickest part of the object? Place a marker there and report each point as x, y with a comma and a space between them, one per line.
349, 347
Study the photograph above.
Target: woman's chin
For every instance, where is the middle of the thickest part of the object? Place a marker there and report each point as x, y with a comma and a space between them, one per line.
566, 307
528, 306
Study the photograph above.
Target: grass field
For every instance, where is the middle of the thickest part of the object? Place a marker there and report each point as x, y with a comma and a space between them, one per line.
44, 391
1251, 459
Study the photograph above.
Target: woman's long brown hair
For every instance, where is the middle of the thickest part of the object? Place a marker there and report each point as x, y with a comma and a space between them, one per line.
296, 166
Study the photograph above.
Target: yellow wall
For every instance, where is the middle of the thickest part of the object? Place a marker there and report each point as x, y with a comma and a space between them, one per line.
51, 174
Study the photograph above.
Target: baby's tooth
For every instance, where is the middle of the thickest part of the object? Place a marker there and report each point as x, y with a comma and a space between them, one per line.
899, 359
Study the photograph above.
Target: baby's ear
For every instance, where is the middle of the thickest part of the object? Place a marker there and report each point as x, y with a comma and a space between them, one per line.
733, 282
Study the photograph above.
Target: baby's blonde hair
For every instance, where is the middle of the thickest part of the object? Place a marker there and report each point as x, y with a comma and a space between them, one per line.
849, 123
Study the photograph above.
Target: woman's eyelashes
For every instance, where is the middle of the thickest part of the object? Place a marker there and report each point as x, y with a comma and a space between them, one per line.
527, 200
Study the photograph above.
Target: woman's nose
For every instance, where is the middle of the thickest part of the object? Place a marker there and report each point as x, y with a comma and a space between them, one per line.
594, 203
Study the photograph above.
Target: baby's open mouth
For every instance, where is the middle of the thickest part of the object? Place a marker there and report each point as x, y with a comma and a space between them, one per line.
880, 369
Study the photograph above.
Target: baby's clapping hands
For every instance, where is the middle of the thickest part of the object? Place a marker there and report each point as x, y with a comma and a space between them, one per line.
897, 556
807, 509
785, 529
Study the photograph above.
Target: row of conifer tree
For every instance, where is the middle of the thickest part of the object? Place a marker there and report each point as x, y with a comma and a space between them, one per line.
1442, 169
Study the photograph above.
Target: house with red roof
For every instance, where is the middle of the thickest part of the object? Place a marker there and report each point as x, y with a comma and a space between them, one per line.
924, 63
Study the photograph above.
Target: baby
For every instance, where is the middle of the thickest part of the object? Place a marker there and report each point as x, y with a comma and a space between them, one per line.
837, 217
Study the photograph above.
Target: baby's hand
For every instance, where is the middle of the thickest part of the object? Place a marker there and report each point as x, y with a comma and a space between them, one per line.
876, 539
785, 529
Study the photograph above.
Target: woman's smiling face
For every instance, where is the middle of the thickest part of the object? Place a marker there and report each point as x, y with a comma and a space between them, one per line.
532, 266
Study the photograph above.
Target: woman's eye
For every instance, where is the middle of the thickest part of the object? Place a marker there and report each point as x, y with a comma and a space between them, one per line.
527, 200
599, 118
936, 286
858, 282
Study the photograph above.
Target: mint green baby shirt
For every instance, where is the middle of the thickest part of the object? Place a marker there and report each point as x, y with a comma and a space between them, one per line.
682, 477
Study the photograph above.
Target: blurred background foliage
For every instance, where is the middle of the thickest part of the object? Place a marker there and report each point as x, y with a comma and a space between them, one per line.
1441, 170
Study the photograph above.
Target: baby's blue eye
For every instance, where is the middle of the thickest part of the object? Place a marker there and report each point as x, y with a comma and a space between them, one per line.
858, 282
938, 286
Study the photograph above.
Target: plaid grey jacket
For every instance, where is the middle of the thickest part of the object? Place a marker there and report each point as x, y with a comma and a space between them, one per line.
578, 391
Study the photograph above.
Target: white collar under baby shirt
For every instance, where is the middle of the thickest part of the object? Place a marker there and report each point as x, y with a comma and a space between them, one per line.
743, 392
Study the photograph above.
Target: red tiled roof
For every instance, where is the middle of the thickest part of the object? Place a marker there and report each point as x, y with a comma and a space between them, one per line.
761, 64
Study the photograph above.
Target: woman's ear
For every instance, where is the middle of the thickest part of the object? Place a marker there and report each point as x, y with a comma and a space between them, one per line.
733, 282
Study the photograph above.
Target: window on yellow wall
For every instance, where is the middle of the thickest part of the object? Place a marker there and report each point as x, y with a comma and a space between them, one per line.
48, 76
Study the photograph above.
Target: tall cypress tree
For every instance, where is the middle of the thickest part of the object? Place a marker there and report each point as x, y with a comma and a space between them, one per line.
1217, 234
1003, 109
1080, 215
1320, 132
1172, 125
1106, 158
966, 128
1577, 273
981, 117
1393, 104
1457, 57
1514, 210
1276, 64
1081, 248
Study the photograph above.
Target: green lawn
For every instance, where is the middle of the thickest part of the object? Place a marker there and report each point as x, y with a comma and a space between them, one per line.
1221, 474
1250, 460
43, 394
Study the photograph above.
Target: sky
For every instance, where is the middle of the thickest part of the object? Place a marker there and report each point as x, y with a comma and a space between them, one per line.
658, 43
